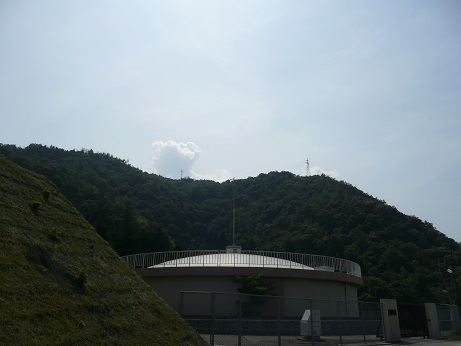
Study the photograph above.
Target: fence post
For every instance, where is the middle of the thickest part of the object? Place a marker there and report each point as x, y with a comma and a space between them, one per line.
279, 321
240, 321
339, 323
212, 319
455, 320
363, 323
312, 321
181, 303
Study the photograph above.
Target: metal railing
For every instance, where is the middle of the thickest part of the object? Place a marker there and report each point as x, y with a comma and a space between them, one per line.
244, 258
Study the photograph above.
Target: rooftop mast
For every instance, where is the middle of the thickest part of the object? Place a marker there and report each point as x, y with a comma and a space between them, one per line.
233, 214
233, 248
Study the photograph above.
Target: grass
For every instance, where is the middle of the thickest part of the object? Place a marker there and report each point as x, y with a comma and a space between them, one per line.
61, 283
454, 337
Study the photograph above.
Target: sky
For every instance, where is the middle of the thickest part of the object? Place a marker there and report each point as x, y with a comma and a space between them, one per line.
368, 91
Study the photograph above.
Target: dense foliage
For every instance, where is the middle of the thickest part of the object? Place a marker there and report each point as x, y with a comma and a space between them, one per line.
62, 284
401, 256
257, 291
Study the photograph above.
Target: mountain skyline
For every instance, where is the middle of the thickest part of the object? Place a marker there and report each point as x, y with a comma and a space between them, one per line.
369, 92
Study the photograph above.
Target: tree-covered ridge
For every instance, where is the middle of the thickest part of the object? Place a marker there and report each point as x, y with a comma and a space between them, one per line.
279, 211
106, 190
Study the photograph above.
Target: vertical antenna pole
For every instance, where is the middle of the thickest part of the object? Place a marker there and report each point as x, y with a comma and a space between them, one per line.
454, 278
308, 170
233, 214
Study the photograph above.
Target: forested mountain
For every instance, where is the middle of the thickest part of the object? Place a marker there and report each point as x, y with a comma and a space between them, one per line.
401, 256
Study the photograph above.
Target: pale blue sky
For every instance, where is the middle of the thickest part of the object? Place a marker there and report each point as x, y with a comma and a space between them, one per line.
369, 91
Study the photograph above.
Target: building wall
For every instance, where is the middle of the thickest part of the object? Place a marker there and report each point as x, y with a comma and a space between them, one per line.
334, 293
170, 288
327, 296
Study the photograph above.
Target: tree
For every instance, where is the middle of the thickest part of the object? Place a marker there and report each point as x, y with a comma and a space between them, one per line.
257, 291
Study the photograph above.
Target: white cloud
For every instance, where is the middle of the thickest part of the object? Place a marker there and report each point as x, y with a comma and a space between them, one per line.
316, 170
170, 158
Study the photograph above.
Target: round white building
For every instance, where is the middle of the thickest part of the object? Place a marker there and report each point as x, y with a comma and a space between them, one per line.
293, 275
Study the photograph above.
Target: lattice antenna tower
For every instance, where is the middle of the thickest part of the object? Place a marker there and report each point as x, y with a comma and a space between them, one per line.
308, 170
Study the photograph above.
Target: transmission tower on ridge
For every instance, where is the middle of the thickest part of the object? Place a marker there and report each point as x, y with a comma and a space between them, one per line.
308, 170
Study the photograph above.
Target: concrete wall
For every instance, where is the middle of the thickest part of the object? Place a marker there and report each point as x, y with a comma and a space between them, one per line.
314, 285
328, 296
169, 288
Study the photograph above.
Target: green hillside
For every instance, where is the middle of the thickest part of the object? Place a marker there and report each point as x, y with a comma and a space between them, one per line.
61, 283
401, 256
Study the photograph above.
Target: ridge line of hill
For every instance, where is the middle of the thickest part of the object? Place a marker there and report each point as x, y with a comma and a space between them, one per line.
140, 212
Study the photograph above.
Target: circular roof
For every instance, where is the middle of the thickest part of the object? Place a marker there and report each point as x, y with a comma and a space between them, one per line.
232, 260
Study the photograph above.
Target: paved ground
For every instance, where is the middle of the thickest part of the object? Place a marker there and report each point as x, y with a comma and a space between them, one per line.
249, 340
429, 342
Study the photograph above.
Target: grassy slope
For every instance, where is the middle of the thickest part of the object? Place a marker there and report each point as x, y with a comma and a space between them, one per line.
47, 250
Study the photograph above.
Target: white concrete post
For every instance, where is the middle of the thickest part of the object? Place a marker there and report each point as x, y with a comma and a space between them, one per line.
390, 320
432, 321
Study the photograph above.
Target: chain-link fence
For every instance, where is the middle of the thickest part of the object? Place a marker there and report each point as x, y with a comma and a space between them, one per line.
240, 319
449, 319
